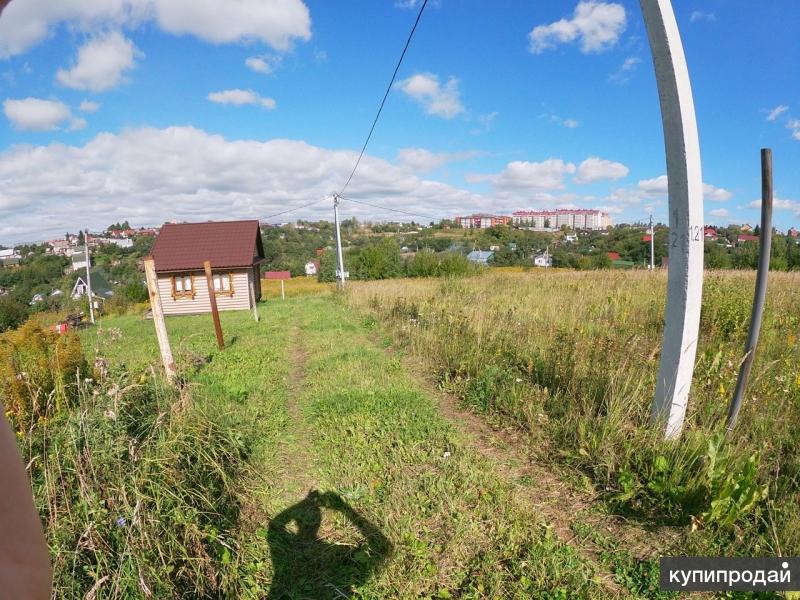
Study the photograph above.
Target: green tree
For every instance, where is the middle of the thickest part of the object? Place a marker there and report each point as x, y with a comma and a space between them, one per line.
12, 314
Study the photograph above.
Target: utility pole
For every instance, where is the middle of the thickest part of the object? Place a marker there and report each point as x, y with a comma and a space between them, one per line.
88, 275
158, 319
652, 244
340, 272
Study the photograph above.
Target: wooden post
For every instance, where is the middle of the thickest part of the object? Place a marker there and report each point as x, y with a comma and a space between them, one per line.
158, 319
685, 190
283, 294
212, 298
253, 300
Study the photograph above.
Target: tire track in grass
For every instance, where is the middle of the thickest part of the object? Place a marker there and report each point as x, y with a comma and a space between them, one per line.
385, 451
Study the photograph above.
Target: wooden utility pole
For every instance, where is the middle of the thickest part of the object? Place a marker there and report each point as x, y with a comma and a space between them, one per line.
212, 298
253, 300
158, 318
283, 293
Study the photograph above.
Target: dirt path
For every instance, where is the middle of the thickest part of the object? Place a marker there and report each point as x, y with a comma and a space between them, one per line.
559, 504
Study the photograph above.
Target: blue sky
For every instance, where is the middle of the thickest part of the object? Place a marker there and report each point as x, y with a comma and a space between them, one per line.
154, 110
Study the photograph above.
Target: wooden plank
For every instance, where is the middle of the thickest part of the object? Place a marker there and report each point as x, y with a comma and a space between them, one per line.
213, 300
252, 286
158, 319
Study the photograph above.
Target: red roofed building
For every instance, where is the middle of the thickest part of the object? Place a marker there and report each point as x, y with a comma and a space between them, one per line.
746, 238
613, 255
710, 234
235, 251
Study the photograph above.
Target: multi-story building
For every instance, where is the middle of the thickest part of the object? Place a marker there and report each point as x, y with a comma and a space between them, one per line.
482, 221
578, 218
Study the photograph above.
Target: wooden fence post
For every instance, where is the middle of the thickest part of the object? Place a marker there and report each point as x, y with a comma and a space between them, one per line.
212, 298
253, 300
158, 318
283, 294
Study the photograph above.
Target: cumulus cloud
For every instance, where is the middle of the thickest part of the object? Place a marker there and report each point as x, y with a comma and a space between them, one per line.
152, 175
101, 63
779, 204
658, 185
623, 74
421, 160
438, 100
794, 127
524, 175
597, 25
598, 169
88, 106
776, 112
263, 64
35, 114
239, 97
719, 212
276, 23
699, 15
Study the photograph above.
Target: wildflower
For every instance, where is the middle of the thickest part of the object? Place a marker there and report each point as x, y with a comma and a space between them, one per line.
446, 454
121, 522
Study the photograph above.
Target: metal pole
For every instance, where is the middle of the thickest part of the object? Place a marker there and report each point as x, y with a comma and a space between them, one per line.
761, 289
652, 245
340, 273
685, 190
212, 298
88, 274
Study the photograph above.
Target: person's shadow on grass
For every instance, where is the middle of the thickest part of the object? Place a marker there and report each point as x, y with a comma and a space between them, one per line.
305, 566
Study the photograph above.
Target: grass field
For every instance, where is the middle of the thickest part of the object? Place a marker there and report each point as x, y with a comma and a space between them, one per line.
483, 437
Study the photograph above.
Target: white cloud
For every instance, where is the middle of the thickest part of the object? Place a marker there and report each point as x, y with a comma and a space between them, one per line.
152, 175
570, 123
719, 212
598, 169
598, 26
276, 23
779, 204
76, 123
35, 114
88, 106
794, 127
101, 63
699, 15
263, 64
776, 112
239, 97
438, 100
485, 122
658, 185
623, 74
524, 175
421, 160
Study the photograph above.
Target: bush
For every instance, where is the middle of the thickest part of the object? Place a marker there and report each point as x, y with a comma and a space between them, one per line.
12, 314
39, 370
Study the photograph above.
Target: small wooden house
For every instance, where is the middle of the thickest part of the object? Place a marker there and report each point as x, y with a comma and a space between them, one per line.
235, 251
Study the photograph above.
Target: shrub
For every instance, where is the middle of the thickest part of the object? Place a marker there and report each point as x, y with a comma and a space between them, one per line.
39, 370
12, 314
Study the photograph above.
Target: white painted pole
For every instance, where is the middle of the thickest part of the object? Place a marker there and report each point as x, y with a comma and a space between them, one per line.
652, 245
283, 293
253, 303
88, 274
340, 273
685, 187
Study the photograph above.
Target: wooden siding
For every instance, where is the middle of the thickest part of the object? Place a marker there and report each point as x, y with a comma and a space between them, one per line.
239, 300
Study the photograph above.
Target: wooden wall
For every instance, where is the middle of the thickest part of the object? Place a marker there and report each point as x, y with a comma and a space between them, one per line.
240, 300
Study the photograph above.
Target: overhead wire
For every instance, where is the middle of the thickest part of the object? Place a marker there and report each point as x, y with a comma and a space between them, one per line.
396, 210
385, 96
284, 212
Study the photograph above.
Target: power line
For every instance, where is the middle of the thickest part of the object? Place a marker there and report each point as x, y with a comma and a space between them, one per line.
385, 95
397, 210
283, 212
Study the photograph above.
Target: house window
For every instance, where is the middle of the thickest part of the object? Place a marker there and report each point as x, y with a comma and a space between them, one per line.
223, 284
183, 286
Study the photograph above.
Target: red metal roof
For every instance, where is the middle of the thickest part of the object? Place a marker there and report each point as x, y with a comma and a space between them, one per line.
227, 244
278, 275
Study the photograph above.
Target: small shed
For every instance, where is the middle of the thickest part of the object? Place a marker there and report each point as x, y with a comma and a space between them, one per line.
235, 251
